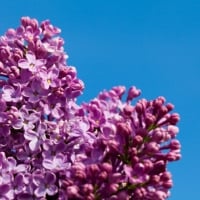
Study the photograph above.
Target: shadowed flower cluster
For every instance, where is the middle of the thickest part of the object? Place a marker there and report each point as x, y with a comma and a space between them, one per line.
53, 148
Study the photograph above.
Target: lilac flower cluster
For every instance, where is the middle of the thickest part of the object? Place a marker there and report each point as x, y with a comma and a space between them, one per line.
52, 148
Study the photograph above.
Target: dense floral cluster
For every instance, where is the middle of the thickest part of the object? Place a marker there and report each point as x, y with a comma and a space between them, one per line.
52, 148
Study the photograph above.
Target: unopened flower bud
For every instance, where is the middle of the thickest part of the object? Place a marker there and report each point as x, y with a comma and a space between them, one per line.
128, 110
113, 188
120, 90
107, 167
72, 191
174, 118
133, 93
88, 188
124, 129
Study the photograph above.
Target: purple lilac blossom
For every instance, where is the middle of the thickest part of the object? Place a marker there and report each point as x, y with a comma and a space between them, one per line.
53, 148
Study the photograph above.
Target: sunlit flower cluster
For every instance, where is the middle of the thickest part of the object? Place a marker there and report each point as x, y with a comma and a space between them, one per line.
53, 148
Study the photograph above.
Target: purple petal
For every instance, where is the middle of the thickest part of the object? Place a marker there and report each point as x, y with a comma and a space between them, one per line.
3, 117
48, 164
17, 124
40, 62
38, 178
33, 117
34, 145
27, 92
34, 99
50, 178
30, 58
2, 105
25, 197
20, 168
84, 126
40, 191
128, 170
51, 190
47, 109
11, 162
57, 112
23, 64
30, 135
19, 179
6, 132
4, 188
54, 72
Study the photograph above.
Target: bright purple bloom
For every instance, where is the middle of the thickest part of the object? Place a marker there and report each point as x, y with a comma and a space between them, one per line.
50, 77
35, 92
56, 163
53, 107
52, 148
11, 94
31, 63
26, 119
45, 183
36, 138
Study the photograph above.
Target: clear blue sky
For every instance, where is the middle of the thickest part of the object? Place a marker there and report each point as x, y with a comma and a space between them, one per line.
154, 45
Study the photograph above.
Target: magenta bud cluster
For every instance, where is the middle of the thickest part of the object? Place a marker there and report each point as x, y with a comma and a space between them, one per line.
52, 148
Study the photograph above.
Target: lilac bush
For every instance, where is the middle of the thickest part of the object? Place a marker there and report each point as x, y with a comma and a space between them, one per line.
53, 148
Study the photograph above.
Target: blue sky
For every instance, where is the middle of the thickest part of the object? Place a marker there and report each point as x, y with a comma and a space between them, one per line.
153, 45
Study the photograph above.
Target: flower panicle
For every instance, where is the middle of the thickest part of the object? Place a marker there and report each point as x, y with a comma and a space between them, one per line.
52, 148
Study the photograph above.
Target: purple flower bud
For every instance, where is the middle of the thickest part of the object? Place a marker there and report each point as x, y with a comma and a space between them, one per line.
88, 188
159, 102
113, 188
173, 155
141, 106
134, 160
103, 176
155, 179
173, 130
152, 147
123, 129
120, 90
170, 107
137, 140
10, 33
27, 21
107, 167
128, 110
93, 169
149, 119
72, 192
159, 166
175, 145
133, 93
174, 118
140, 192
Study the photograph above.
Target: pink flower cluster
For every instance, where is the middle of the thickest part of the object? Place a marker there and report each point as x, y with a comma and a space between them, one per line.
51, 148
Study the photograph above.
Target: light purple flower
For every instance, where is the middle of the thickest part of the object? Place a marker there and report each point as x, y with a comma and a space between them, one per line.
35, 137
49, 78
45, 183
35, 92
31, 63
53, 107
11, 94
26, 119
56, 163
